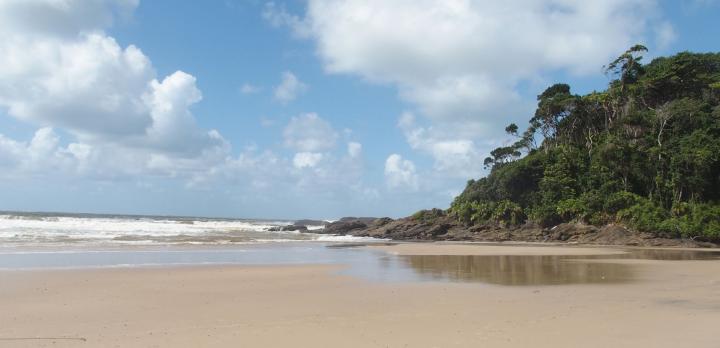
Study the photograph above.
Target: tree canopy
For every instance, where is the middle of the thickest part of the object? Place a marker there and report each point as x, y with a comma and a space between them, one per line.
644, 153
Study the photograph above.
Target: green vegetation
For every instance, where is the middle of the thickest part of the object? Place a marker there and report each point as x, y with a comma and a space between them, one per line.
428, 216
644, 153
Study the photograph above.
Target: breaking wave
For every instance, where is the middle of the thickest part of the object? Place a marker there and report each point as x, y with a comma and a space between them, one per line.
48, 229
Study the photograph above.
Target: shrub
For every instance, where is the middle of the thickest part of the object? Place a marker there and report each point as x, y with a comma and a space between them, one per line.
428, 216
509, 213
645, 215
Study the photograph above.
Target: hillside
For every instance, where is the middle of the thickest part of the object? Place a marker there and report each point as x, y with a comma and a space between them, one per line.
637, 164
644, 153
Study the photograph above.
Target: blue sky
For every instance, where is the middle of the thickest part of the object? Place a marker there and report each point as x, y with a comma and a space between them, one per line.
291, 109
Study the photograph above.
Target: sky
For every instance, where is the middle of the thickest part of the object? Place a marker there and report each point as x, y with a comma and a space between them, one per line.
297, 108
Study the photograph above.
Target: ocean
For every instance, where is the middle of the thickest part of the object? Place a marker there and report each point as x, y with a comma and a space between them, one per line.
68, 241
22, 229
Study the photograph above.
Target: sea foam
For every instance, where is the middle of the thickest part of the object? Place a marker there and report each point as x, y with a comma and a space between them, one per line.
38, 229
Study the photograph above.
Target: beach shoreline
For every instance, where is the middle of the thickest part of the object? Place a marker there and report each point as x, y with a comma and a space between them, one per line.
310, 305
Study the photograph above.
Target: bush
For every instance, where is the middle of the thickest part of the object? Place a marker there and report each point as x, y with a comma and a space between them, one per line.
620, 200
482, 212
545, 215
428, 216
509, 213
645, 215
695, 221
461, 211
571, 209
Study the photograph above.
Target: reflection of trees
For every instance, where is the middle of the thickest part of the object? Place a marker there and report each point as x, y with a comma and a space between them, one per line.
542, 270
518, 270
671, 255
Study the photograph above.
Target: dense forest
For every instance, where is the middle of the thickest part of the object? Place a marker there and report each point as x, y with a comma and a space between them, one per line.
644, 153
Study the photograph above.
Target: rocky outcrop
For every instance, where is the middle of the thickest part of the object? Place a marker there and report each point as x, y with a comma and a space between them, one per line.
345, 226
435, 225
365, 220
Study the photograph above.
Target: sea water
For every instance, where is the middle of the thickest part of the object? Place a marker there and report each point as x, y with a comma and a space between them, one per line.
70, 230
36, 241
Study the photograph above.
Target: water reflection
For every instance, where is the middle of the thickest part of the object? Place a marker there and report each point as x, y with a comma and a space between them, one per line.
663, 255
539, 270
517, 270
361, 262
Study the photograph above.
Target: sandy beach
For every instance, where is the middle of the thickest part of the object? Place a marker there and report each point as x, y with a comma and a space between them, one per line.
665, 304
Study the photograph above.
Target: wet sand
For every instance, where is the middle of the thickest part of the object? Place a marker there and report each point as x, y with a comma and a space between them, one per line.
440, 248
664, 304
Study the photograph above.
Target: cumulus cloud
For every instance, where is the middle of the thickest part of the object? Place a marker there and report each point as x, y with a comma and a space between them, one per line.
354, 149
306, 159
60, 70
249, 88
61, 18
40, 154
400, 173
665, 35
454, 156
309, 133
477, 49
88, 85
290, 87
105, 116
278, 16
460, 62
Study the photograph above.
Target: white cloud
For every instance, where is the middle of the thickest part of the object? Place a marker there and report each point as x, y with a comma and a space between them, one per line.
471, 47
63, 18
306, 159
248, 88
460, 62
665, 35
290, 87
87, 85
309, 133
354, 149
121, 122
42, 154
400, 173
59, 69
454, 155
105, 117
278, 16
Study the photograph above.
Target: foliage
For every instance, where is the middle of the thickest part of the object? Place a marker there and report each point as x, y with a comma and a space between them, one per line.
504, 212
645, 153
428, 216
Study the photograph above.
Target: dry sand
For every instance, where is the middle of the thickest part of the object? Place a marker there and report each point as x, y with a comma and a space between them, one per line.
671, 304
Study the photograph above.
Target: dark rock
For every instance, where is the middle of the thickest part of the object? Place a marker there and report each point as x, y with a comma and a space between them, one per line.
571, 232
436, 225
342, 227
381, 222
365, 220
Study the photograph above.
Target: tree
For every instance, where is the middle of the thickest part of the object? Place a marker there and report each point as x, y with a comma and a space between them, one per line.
645, 152
512, 129
628, 66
